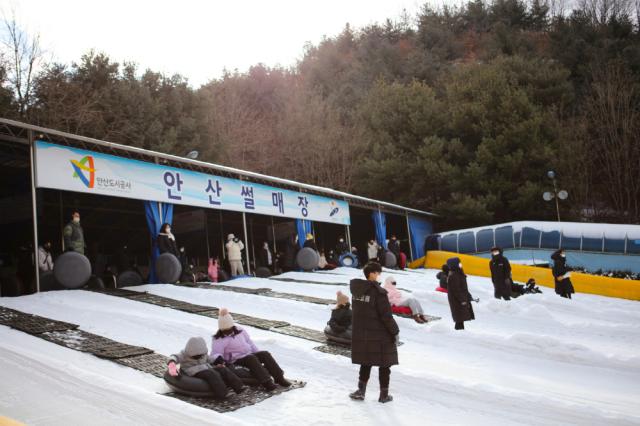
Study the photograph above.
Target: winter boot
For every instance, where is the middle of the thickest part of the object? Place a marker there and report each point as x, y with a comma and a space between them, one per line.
283, 382
359, 394
384, 395
269, 385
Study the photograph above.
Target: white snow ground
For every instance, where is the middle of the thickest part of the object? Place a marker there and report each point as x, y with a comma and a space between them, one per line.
536, 360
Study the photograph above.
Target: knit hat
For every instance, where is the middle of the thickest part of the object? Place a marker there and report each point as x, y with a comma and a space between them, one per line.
309, 237
225, 320
343, 299
230, 237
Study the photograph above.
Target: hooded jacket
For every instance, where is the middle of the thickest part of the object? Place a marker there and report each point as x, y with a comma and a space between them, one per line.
193, 358
500, 275
234, 250
395, 296
373, 327
563, 286
458, 292
74, 237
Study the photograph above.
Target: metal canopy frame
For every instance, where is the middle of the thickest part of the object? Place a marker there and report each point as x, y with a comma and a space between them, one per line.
19, 132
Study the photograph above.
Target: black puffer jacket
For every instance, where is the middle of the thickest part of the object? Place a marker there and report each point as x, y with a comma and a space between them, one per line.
167, 245
374, 329
458, 293
340, 319
500, 275
563, 286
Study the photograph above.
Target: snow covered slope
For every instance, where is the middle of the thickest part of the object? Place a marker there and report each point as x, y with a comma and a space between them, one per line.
536, 360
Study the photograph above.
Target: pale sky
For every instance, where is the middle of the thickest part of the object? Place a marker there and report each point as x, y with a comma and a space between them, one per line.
197, 39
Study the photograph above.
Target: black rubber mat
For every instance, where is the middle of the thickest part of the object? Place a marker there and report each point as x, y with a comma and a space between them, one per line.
32, 324
292, 280
233, 402
99, 346
334, 350
120, 292
302, 332
171, 303
152, 363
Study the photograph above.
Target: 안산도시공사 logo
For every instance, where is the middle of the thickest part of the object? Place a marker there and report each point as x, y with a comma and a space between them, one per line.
84, 165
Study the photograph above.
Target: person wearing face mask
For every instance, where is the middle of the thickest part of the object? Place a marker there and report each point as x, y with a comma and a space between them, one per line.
45, 261
74, 235
167, 241
372, 250
265, 258
500, 274
234, 254
458, 294
561, 274
375, 333
342, 247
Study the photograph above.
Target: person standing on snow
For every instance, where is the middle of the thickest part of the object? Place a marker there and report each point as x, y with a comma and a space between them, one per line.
458, 294
372, 250
74, 235
234, 254
500, 274
375, 334
167, 241
561, 274
394, 246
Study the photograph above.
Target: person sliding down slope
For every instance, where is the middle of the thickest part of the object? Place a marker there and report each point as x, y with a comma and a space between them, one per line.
397, 298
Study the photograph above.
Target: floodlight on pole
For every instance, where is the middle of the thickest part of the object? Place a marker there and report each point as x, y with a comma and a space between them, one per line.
557, 195
192, 155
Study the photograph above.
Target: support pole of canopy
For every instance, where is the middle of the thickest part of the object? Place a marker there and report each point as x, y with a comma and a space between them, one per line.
349, 238
409, 235
246, 242
34, 209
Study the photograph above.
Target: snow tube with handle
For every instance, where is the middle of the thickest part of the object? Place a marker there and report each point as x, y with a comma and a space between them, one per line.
442, 290
95, 283
129, 279
343, 338
168, 268
401, 310
348, 260
307, 259
263, 272
193, 386
72, 269
390, 260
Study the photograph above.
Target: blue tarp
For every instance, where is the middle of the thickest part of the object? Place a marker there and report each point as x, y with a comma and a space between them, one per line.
303, 227
380, 223
157, 213
419, 229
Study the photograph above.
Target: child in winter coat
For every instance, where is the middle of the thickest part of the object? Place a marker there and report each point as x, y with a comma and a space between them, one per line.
397, 298
193, 361
232, 344
442, 276
340, 323
213, 269
561, 274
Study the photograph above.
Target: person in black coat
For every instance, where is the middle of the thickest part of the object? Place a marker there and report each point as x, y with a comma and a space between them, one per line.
560, 271
342, 247
500, 274
443, 275
290, 252
265, 257
310, 242
374, 332
166, 241
394, 246
340, 323
458, 294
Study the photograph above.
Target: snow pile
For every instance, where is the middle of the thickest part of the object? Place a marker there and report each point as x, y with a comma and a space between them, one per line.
539, 359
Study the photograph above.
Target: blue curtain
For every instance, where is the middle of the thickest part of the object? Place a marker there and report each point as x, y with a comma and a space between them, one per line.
380, 223
419, 230
303, 227
157, 214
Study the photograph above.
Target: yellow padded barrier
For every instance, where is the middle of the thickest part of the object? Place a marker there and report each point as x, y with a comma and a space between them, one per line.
5, 421
583, 283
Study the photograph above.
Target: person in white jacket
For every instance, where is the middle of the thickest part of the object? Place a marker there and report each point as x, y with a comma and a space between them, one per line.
45, 261
234, 254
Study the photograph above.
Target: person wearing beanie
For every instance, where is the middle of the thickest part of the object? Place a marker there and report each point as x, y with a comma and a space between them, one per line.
561, 274
458, 294
500, 274
339, 326
234, 254
375, 332
310, 242
397, 298
233, 345
193, 361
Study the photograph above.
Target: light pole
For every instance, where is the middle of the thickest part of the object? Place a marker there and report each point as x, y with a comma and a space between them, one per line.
562, 194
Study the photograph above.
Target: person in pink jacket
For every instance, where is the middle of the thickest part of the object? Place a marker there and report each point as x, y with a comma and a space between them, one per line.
213, 270
397, 298
234, 346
